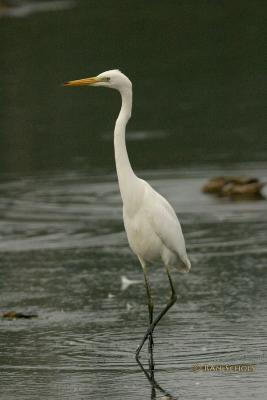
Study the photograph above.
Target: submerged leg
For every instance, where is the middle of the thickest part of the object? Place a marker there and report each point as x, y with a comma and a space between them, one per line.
149, 304
160, 315
154, 384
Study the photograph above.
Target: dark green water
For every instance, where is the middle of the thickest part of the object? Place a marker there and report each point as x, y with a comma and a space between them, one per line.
199, 75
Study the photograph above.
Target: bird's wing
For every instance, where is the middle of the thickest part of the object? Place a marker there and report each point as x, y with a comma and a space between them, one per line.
164, 222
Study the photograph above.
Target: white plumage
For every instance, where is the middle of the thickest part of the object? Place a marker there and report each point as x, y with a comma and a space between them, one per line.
153, 230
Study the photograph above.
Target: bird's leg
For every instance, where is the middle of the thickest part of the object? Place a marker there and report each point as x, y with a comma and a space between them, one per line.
154, 384
150, 310
160, 315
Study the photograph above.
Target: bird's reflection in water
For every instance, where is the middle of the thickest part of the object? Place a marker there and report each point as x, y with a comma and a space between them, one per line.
150, 375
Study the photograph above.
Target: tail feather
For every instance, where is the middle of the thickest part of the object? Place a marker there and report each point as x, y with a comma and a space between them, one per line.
185, 265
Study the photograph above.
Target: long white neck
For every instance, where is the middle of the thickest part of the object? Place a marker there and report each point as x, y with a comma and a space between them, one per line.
127, 178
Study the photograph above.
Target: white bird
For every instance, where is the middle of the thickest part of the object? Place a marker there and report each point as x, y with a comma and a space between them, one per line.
152, 227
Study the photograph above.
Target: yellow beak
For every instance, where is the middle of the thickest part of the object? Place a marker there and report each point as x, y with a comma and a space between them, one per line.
83, 82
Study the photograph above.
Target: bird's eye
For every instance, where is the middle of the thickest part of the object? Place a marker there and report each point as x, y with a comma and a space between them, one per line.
107, 79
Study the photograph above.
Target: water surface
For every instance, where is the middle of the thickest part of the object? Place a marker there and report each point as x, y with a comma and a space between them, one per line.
63, 253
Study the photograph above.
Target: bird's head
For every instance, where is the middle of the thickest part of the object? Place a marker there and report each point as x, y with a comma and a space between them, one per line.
113, 79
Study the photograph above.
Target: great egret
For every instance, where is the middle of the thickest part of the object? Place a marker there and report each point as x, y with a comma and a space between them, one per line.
153, 230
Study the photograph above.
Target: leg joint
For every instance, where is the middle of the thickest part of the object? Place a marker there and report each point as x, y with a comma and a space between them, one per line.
150, 303
174, 297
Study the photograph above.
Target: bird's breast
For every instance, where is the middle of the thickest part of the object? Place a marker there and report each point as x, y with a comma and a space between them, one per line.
142, 239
